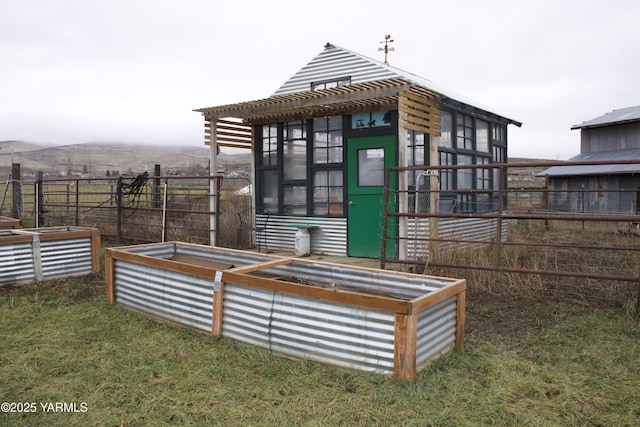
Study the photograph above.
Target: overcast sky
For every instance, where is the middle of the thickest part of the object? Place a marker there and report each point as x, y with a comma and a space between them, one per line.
74, 71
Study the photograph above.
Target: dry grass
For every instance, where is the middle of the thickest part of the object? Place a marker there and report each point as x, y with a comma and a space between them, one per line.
602, 250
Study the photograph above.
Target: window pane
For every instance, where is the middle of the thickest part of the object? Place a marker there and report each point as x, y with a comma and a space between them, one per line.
294, 160
371, 167
446, 136
269, 144
482, 136
446, 175
327, 140
320, 155
320, 125
270, 190
328, 193
295, 200
465, 176
464, 132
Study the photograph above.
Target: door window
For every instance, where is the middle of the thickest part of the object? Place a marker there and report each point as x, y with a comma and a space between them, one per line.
371, 167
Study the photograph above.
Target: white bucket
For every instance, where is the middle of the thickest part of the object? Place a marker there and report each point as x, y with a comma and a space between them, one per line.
302, 242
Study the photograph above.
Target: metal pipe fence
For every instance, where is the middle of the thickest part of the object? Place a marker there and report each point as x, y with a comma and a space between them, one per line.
516, 230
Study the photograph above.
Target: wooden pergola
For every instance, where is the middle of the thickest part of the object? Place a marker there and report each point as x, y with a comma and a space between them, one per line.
418, 108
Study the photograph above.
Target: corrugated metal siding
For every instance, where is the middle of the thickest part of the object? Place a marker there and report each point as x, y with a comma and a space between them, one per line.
174, 297
334, 63
436, 331
237, 259
16, 263
366, 280
335, 334
329, 239
162, 251
66, 257
331, 236
478, 229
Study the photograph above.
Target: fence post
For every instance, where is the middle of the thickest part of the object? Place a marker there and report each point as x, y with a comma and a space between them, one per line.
77, 202
218, 185
39, 200
502, 177
119, 209
16, 183
155, 189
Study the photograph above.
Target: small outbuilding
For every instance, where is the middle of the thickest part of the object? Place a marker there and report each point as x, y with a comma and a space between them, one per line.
603, 188
322, 141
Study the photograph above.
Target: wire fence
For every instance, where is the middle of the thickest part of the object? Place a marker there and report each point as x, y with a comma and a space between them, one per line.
137, 209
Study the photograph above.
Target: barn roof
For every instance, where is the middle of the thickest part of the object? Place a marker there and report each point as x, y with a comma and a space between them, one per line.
615, 117
611, 168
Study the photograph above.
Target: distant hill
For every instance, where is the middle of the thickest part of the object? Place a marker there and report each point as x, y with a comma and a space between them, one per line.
96, 158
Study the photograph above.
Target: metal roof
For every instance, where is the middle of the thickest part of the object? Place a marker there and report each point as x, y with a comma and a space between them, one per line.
335, 62
373, 84
616, 117
610, 168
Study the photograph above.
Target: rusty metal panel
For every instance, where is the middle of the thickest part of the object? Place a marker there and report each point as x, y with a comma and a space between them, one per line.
436, 331
329, 238
178, 298
330, 333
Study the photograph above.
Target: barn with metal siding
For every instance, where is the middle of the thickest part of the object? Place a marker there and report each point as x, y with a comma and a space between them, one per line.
605, 188
322, 141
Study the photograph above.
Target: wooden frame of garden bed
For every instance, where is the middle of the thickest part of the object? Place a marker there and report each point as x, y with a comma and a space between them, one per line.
35, 254
237, 285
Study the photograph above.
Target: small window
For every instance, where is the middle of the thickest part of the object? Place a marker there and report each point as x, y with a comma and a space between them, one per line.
328, 84
369, 120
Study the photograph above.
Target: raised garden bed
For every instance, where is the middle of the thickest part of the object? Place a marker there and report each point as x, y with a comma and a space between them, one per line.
35, 254
7, 223
354, 317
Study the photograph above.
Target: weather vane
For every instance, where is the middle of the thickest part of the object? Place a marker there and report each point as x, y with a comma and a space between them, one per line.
386, 49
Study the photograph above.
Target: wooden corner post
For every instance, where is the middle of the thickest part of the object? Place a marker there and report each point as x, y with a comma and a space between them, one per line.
460, 309
405, 342
109, 273
218, 297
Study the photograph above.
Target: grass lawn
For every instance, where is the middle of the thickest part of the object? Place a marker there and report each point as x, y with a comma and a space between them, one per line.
525, 361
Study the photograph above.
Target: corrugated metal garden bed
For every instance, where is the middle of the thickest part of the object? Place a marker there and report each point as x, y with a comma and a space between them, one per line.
353, 317
35, 254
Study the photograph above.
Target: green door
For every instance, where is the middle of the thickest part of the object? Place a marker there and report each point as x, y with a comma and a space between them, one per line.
367, 159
